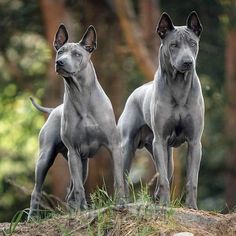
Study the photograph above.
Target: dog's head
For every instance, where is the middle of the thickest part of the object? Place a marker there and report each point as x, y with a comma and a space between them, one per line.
71, 58
180, 44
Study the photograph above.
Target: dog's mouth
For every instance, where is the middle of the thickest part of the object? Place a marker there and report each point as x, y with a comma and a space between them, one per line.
180, 73
61, 71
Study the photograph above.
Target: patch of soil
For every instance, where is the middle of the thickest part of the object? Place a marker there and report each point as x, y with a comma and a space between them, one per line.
134, 219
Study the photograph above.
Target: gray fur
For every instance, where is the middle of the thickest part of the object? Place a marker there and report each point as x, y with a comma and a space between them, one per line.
168, 111
81, 125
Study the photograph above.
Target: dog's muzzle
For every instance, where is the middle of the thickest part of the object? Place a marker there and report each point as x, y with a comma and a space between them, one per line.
60, 67
186, 66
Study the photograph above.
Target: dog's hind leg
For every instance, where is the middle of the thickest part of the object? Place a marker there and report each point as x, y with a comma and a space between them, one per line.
45, 161
49, 145
129, 126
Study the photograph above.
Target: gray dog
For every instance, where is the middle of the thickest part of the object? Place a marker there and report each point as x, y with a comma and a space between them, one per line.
81, 125
170, 110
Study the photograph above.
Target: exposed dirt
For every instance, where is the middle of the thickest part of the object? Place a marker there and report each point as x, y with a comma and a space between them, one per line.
135, 219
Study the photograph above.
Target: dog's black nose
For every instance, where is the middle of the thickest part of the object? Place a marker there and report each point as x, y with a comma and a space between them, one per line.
60, 63
187, 64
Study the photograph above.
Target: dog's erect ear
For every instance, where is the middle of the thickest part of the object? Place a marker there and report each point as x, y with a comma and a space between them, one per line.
61, 37
89, 40
194, 23
164, 26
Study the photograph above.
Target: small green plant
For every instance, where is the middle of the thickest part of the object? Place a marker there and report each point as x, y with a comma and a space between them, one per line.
176, 202
131, 189
15, 221
145, 230
64, 231
104, 223
143, 194
100, 198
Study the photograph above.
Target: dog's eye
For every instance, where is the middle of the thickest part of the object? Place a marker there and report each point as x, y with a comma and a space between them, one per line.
60, 52
193, 44
77, 54
174, 45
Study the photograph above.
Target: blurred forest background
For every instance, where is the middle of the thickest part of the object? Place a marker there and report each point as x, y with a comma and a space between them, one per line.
126, 57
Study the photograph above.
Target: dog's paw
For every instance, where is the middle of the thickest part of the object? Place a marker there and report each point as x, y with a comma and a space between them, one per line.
163, 198
191, 201
191, 205
83, 205
120, 204
33, 214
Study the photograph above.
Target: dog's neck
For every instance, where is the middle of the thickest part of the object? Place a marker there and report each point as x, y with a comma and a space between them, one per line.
78, 88
179, 84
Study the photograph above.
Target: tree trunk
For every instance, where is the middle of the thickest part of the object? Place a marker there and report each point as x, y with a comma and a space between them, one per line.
230, 124
134, 38
149, 15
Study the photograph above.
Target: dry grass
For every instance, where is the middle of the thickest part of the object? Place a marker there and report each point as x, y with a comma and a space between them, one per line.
135, 219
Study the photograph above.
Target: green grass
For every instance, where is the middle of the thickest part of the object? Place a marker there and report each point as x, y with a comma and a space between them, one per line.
104, 221
17, 218
100, 198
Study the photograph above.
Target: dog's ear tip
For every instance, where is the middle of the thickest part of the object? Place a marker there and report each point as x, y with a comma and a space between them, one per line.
193, 13
164, 25
91, 27
165, 14
165, 17
61, 37
62, 26
194, 23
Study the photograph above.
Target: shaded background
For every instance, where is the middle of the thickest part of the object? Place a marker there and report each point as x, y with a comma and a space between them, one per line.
126, 57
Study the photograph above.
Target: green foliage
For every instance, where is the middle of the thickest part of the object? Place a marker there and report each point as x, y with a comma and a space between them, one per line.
136, 79
100, 198
24, 58
19, 128
14, 222
228, 17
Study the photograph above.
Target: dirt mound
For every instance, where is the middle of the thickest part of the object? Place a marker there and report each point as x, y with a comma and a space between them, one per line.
135, 219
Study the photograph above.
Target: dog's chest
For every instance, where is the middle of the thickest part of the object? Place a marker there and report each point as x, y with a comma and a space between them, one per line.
178, 128
86, 136
89, 139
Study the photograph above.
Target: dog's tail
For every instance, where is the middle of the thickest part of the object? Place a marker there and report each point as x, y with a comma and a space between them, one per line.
40, 108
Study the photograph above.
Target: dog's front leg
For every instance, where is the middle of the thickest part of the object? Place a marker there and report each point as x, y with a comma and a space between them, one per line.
160, 156
76, 199
193, 165
85, 175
